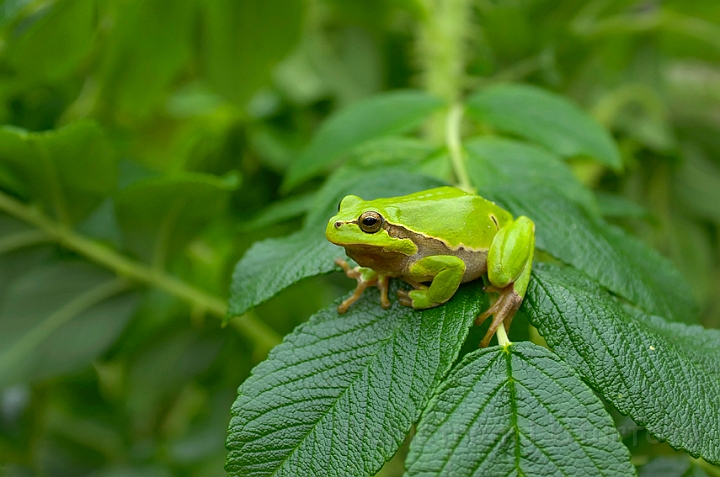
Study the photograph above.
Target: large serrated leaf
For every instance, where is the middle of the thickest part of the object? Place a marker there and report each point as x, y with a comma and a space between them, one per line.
338, 396
666, 376
517, 410
615, 259
493, 161
158, 216
546, 118
68, 171
381, 115
274, 264
57, 318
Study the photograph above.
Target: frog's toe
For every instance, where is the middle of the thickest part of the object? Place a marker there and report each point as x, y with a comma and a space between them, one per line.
404, 298
503, 311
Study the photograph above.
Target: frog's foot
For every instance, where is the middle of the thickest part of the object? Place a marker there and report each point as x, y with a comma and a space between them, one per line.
417, 298
503, 309
365, 278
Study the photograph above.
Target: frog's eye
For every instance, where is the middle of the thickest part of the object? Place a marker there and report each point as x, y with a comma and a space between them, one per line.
370, 222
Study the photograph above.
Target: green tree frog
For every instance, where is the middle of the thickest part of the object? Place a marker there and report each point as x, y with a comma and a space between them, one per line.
435, 240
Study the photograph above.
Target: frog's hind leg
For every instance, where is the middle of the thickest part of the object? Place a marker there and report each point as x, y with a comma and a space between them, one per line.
365, 278
509, 264
503, 311
447, 272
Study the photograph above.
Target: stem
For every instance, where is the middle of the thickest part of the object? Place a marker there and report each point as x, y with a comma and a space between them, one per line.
454, 145
707, 467
442, 31
21, 240
502, 336
255, 330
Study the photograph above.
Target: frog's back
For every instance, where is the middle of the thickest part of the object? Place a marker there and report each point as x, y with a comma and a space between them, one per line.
461, 219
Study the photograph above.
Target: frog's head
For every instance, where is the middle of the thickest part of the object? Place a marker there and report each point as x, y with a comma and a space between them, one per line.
362, 224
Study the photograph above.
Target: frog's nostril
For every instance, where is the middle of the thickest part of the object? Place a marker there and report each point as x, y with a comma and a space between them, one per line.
338, 224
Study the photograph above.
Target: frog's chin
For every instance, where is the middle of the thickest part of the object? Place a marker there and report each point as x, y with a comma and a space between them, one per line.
386, 263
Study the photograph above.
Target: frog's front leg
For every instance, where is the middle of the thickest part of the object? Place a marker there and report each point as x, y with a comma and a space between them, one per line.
447, 272
509, 263
365, 278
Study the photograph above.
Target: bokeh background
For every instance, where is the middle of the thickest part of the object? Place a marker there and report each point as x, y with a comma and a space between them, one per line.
144, 138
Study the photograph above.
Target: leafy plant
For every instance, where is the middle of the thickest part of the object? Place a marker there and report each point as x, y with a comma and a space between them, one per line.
147, 147
338, 396
337, 384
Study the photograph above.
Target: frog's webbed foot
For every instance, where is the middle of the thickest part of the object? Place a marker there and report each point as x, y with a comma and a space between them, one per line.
365, 278
504, 309
404, 296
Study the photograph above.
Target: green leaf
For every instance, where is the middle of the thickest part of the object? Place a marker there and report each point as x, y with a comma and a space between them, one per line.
159, 216
274, 264
666, 376
610, 205
517, 410
494, 161
69, 171
53, 40
697, 185
141, 58
390, 151
242, 42
15, 234
280, 211
381, 115
546, 118
57, 318
170, 361
338, 396
21, 249
671, 467
618, 261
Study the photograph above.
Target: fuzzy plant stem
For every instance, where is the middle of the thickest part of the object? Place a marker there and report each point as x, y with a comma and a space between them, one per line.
443, 28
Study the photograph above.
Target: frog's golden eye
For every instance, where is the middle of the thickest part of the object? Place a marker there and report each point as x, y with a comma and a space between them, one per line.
370, 222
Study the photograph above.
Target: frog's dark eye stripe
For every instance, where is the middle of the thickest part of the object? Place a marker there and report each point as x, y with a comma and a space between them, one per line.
370, 222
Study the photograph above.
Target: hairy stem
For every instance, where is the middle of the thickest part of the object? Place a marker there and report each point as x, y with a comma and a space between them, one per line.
248, 325
443, 29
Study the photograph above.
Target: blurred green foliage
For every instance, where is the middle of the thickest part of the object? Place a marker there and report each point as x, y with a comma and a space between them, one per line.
143, 138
